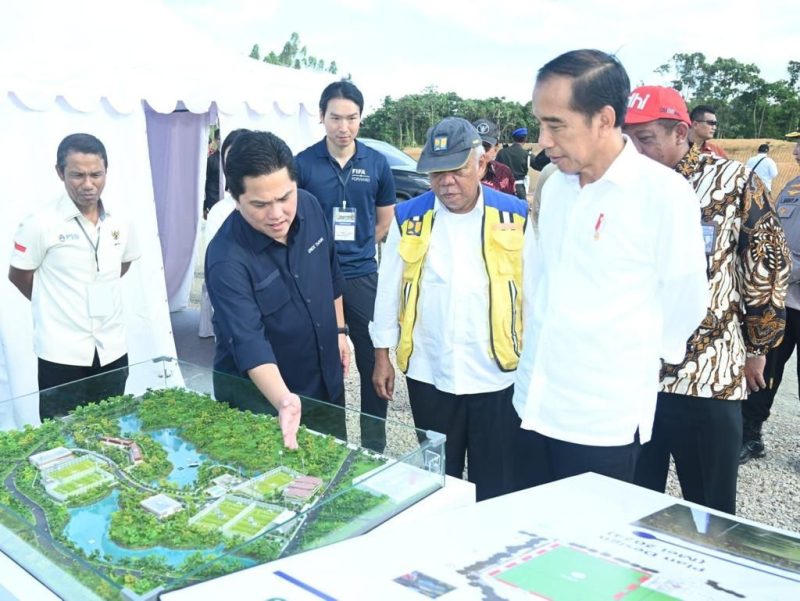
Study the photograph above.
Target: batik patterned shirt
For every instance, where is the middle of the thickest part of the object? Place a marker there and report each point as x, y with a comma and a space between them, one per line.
748, 270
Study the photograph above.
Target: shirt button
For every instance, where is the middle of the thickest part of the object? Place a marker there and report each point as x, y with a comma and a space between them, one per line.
297, 275
317, 324
308, 300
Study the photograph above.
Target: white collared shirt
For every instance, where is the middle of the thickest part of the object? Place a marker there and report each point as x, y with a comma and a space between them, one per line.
451, 335
51, 242
618, 281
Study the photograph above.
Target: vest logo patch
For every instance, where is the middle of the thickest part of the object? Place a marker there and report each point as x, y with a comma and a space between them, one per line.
414, 226
315, 246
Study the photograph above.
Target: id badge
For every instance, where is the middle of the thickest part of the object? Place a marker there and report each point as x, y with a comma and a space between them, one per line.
709, 237
344, 224
101, 299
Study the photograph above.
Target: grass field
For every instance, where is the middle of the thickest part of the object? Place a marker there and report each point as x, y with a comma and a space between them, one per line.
220, 515
77, 467
253, 522
90, 480
268, 485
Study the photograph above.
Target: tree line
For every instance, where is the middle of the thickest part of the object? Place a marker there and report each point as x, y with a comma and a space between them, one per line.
747, 106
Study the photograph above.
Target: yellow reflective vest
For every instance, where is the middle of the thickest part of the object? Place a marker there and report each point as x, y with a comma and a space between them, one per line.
502, 239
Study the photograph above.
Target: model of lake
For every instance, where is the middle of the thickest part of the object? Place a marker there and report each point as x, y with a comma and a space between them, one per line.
88, 528
183, 456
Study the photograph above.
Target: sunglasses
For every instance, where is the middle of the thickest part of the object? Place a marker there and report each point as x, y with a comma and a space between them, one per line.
711, 122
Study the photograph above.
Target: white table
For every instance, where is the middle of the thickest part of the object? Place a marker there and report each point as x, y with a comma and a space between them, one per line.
462, 547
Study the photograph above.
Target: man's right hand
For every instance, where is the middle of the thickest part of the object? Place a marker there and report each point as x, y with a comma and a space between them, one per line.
289, 411
383, 375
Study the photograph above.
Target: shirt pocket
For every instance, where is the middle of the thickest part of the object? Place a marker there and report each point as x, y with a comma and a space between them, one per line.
271, 294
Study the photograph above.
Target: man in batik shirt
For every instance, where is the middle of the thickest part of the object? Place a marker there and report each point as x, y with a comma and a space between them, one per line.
698, 416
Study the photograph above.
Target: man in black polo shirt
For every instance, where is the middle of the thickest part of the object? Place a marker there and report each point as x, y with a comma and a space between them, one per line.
275, 284
355, 189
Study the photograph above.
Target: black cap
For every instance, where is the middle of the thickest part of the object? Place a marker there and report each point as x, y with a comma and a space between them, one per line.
447, 145
487, 130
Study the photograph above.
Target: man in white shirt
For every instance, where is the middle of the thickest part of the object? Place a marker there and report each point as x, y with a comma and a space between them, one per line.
616, 283
68, 260
452, 271
764, 166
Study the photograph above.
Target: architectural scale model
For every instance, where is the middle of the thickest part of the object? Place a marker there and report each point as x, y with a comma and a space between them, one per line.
128, 497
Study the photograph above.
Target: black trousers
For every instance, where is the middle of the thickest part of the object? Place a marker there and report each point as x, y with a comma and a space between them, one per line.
519, 190
240, 393
757, 406
704, 437
479, 427
548, 459
359, 305
75, 389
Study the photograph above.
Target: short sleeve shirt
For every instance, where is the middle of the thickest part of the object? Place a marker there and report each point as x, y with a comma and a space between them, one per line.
273, 303
365, 182
59, 243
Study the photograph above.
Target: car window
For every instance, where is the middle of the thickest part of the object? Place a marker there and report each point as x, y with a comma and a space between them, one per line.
394, 156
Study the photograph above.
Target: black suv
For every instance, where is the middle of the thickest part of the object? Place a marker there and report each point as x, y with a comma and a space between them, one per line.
408, 182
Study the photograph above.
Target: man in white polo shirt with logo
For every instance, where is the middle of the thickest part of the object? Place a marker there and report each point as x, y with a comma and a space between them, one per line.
616, 283
68, 259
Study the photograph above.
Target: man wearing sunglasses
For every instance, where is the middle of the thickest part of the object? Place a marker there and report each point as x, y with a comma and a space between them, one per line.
703, 128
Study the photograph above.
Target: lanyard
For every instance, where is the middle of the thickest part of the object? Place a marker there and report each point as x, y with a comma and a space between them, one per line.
93, 245
342, 181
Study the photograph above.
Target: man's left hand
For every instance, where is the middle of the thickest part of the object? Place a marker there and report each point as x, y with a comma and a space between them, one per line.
754, 372
344, 353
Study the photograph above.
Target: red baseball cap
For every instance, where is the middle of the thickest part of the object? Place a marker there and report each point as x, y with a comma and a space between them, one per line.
648, 103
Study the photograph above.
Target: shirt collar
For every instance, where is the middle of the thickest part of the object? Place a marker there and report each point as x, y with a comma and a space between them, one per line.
690, 161
439, 205
322, 150
67, 209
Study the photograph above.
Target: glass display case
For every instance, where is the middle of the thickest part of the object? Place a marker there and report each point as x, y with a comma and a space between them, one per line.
133, 495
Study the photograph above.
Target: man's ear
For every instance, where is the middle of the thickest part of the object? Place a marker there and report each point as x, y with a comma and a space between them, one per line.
681, 132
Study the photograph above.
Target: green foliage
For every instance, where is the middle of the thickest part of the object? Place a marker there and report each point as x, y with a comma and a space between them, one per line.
295, 56
746, 105
403, 122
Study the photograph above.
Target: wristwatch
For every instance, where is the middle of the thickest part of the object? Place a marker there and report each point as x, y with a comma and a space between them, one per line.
344, 330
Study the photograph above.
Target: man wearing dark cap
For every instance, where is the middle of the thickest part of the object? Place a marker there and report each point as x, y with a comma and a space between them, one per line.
698, 415
492, 174
756, 408
450, 301
516, 158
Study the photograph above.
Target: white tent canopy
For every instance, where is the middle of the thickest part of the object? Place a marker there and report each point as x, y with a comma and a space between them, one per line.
148, 87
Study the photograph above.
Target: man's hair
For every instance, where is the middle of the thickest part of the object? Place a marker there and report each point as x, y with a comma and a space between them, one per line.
226, 144
598, 80
763, 148
83, 143
520, 138
256, 153
700, 110
341, 89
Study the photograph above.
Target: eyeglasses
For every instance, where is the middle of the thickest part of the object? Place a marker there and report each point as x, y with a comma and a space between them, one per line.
711, 122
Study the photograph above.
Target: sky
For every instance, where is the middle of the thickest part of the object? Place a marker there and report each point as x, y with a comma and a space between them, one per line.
485, 49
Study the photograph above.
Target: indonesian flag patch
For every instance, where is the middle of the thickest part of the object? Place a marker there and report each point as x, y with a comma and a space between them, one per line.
19, 247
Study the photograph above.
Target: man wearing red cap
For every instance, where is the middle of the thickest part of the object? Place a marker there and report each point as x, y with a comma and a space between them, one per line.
698, 416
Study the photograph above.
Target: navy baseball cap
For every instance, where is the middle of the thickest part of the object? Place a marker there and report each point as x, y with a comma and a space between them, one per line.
447, 145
